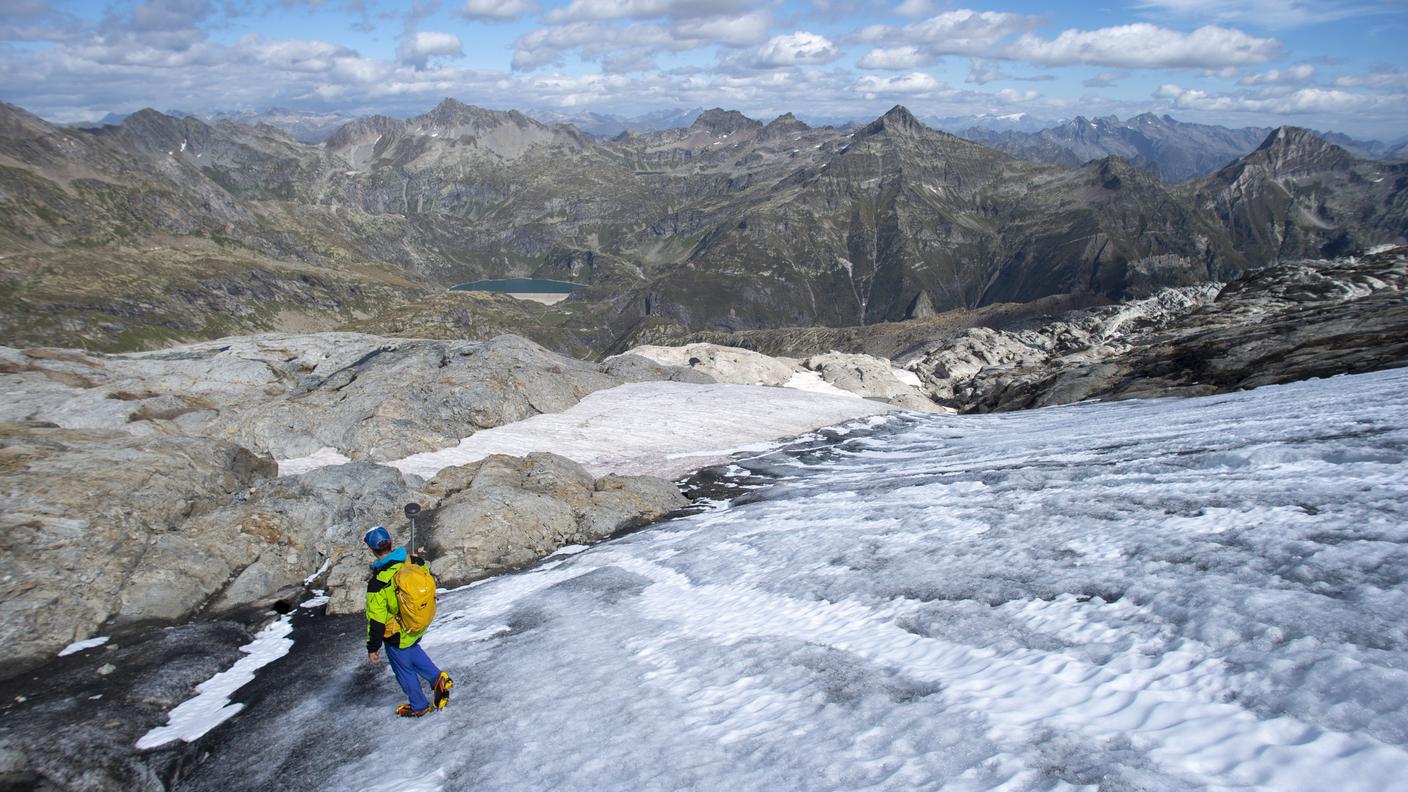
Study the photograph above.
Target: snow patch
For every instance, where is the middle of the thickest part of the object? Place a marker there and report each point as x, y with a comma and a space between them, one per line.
812, 382
655, 428
78, 646
323, 457
907, 377
211, 707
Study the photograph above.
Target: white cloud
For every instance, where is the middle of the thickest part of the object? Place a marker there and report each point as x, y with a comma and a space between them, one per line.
1383, 78
1294, 75
795, 49
983, 72
872, 86
1146, 46
1302, 101
416, 49
501, 10
961, 32
895, 58
733, 31
548, 45
1014, 96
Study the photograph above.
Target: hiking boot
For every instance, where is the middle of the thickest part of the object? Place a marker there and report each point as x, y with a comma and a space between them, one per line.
443, 683
405, 711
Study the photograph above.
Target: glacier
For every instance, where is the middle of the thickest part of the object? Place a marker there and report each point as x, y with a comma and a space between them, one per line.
1175, 594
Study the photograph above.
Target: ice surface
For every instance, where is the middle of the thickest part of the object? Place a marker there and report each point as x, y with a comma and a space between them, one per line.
212, 706
78, 646
659, 428
1200, 594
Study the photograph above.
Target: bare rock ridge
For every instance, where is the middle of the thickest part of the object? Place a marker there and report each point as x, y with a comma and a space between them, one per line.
725, 225
1275, 325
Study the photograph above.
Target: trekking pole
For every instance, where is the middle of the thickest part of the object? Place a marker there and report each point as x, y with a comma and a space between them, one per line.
412, 509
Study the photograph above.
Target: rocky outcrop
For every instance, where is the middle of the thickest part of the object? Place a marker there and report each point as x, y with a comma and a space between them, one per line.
729, 365
505, 512
872, 378
866, 376
140, 488
957, 372
1278, 324
367, 397
100, 527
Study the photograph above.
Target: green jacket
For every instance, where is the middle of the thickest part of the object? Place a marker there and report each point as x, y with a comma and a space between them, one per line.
382, 607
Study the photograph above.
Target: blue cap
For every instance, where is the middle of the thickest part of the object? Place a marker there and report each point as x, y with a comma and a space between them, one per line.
378, 539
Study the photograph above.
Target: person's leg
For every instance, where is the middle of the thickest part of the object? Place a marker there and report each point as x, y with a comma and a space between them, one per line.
403, 664
421, 662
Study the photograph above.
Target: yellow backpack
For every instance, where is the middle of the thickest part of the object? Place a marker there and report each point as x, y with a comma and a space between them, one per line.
415, 597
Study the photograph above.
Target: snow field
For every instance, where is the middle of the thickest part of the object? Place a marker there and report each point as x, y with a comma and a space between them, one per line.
656, 428
1200, 594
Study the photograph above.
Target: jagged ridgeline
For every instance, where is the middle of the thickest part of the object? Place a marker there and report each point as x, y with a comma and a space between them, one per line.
163, 229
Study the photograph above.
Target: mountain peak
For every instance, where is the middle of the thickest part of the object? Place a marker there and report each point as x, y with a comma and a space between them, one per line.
720, 121
897, 119
454, 113
1290, 147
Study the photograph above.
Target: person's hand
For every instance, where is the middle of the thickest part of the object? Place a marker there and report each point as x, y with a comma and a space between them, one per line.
372, 658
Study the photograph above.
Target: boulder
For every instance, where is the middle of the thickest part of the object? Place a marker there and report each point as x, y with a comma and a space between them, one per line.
726, 365
504, 512
872, 378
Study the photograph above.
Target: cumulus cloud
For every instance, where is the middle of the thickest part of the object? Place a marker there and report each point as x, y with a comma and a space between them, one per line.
983, 72
1014, 96
795, 49
1302, 101
872, 86
731, 31
961, 32
498, 10
1146, 46
896, 58
595, 31
1294, 75
1380, 79
416, 49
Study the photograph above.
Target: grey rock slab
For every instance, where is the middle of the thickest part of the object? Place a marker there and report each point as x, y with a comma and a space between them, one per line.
95, 524
366, 396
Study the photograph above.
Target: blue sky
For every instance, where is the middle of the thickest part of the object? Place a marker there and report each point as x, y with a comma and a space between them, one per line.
1332, 64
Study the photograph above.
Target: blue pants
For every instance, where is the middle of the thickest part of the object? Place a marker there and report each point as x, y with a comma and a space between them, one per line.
410, 666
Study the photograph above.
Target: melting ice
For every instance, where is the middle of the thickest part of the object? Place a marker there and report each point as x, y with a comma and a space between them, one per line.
1175, 594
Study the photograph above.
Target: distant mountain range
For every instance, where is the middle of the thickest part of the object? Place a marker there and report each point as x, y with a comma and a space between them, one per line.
1174, 150
730, 223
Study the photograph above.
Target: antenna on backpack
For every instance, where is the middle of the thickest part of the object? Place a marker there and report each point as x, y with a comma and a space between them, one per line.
412, 509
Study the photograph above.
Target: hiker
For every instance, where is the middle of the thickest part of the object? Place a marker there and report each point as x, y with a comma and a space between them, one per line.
408, 660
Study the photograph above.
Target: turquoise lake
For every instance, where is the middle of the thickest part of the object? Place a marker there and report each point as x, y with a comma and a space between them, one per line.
519, 285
